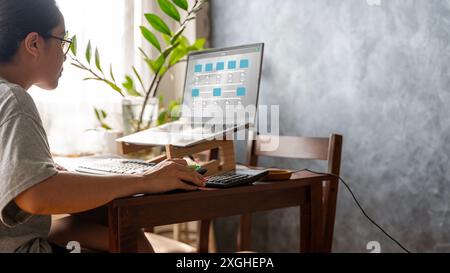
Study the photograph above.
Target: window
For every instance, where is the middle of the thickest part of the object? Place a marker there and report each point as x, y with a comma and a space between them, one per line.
67, 112
112, 26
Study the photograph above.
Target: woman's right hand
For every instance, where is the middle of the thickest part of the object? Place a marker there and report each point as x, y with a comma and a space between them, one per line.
171, 174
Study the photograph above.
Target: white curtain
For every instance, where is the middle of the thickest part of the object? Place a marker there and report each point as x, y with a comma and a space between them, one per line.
113, 27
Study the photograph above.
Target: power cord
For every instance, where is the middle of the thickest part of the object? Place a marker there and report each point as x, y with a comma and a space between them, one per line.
362, 210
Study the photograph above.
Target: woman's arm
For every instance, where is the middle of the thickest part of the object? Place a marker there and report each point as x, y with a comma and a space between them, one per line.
68, 192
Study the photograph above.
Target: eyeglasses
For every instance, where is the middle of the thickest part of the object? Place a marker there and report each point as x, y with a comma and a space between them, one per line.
65, 43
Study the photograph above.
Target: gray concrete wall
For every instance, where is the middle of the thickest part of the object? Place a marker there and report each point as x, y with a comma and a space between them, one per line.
379, 75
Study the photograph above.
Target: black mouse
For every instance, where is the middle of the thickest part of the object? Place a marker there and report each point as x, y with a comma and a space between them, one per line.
201, 171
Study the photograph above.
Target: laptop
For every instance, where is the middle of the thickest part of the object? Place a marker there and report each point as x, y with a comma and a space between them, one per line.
220, 97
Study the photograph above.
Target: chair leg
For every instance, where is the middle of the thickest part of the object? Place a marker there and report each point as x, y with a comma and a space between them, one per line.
212, 246
203, 236
176, 232
245, 232
330, 215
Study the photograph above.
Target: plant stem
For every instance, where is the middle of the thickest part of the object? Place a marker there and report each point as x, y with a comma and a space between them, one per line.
154, 90
147, 95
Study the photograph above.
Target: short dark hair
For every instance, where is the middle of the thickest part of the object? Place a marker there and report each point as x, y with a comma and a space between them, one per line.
18, 18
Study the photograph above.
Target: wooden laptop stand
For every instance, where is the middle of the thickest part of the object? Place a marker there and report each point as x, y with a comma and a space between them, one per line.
221, 154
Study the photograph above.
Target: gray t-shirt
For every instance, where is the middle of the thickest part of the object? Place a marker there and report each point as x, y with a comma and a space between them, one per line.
25, 161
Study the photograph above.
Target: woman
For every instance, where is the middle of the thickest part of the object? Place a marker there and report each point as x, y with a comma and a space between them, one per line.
32, 188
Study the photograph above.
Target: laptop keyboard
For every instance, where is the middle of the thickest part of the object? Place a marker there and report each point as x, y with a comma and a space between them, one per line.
115, 166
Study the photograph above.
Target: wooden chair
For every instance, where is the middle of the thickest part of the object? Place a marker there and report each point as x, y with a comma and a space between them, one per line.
328, 149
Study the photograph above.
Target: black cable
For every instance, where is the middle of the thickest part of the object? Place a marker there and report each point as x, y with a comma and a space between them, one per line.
362, 210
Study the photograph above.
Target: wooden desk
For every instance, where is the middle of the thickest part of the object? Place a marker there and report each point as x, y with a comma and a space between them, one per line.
127, 215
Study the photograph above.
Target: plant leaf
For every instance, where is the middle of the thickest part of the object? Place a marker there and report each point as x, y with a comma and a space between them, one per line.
134, 93
162, 117
183, 41
169, 9
143, 53
104, 114
163, 70
166, 38
129, 86
159, 62
73, 45
115, 87
182, 4
199, 44
174, 109
172, 104
128, 83
175, 37
105, 126
177, 55
138, 77
97, 60
161, 100
149, 36
169, 50
88, 52
97, 114
151, 65
111, 73
158, 24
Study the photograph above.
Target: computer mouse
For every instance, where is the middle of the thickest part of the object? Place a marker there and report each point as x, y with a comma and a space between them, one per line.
201, 170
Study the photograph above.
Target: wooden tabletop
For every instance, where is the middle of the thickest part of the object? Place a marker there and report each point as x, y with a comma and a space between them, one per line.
300, 178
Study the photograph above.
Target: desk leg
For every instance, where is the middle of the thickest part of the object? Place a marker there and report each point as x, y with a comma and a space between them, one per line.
123, 236
305, 227
316, 218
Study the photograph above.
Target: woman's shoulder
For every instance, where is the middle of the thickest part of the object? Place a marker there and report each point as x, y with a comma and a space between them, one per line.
14, 100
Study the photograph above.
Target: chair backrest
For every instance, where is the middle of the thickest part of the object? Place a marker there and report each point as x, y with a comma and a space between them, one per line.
327, 149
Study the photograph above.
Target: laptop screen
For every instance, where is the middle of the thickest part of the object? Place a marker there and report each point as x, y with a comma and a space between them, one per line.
220, 82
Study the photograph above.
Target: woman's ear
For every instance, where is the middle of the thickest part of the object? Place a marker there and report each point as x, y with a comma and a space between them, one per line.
32, 43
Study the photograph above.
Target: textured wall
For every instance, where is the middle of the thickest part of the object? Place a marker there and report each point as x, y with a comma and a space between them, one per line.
379, 75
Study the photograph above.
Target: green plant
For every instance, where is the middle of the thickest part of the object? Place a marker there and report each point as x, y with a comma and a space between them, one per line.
171, 113
172, 48
101, 115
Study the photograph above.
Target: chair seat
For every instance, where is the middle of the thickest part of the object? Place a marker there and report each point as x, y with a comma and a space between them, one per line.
163, 244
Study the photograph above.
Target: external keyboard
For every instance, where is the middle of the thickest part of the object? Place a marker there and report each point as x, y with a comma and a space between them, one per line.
235, 178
